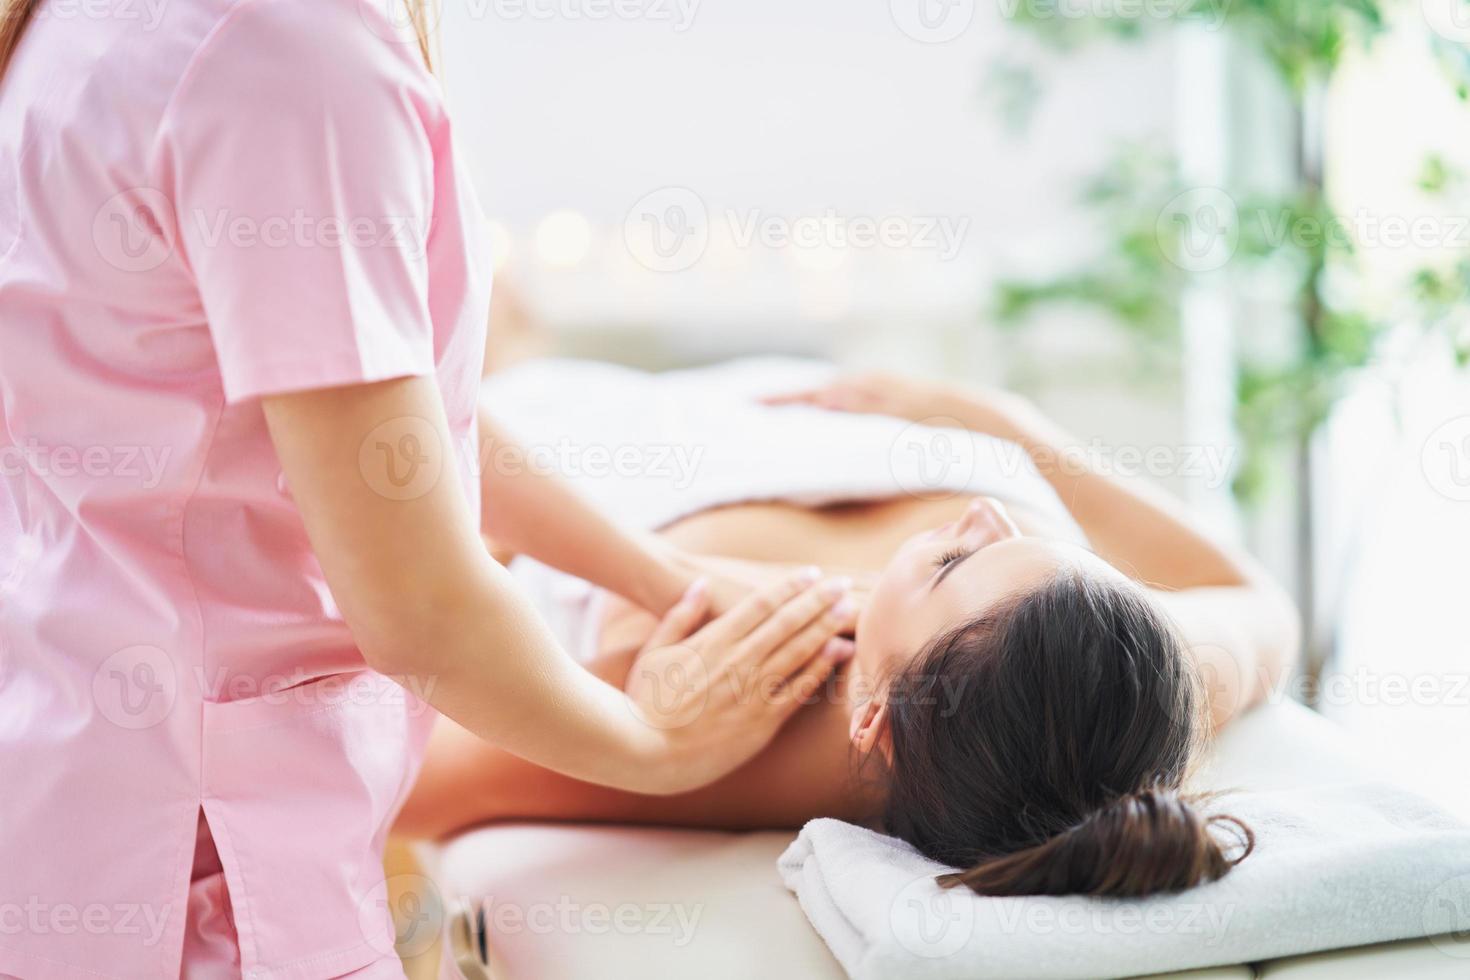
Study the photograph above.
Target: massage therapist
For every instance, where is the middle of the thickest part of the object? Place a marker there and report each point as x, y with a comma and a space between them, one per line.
235, 240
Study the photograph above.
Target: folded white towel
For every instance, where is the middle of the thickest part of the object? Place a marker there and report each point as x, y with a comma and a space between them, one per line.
1334, 867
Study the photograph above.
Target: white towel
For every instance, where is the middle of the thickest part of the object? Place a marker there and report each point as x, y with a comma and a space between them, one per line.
1334, 867
647, 449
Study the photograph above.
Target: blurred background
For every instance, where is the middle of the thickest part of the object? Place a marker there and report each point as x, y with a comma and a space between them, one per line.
1227, 239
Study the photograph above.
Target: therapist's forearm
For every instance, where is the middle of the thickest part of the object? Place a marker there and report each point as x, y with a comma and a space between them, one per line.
482, 661
533, 512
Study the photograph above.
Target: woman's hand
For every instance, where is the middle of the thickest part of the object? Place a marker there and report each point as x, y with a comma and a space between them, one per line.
872, 393
991, 411
714, 697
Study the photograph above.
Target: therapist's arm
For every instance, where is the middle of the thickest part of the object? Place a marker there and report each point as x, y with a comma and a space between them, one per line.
371, 469
529, 510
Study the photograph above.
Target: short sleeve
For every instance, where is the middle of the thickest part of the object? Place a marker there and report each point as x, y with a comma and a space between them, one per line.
300, 153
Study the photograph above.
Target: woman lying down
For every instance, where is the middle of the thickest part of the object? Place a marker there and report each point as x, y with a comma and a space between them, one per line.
1025, 698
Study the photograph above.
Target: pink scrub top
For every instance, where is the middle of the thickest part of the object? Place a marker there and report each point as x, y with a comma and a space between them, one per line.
203, 202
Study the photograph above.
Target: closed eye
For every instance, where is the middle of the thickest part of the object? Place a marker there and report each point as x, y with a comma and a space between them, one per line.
949, 557
947, 563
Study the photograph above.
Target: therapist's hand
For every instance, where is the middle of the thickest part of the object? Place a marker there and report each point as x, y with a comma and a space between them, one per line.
712, 697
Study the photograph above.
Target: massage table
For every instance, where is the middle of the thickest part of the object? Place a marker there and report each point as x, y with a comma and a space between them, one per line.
749, 925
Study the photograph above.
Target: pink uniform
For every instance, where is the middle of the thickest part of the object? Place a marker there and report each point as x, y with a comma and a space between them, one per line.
203, 202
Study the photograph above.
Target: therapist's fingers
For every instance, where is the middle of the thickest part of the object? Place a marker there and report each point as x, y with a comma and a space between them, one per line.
683, 619
784, 697
816, 639
794, 616
758, 607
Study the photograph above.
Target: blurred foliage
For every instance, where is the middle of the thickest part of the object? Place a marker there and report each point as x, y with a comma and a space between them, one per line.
1140, 275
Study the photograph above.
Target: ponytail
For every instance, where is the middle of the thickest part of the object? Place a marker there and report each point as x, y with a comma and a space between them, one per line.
1140, 844
1044, 745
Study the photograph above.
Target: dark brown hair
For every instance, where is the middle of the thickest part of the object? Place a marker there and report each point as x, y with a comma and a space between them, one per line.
1043, 747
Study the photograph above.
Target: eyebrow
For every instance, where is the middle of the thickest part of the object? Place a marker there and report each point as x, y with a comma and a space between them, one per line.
949, 568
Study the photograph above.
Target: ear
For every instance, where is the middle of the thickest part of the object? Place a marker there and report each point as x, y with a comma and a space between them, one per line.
869, 730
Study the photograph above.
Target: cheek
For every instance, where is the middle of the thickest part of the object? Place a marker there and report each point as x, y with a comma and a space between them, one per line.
880, 631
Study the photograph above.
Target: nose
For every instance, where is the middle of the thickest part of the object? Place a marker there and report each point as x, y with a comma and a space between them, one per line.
989, 517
